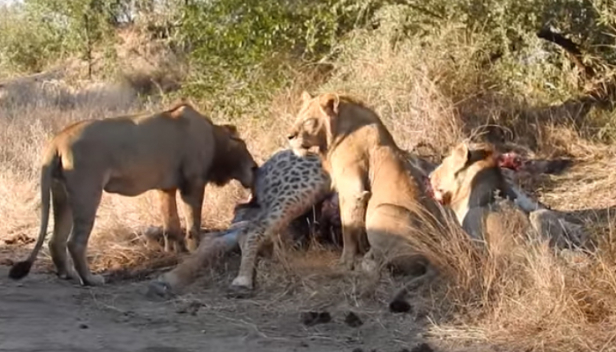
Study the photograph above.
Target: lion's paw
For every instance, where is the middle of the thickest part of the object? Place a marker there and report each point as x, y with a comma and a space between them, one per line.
69, 274
345, 263
369, 266
93, 280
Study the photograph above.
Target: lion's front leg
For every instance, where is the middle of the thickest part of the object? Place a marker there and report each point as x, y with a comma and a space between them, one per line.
352, 215
171, 221
192, 197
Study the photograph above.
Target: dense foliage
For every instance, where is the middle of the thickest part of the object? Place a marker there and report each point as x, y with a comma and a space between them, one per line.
234, 46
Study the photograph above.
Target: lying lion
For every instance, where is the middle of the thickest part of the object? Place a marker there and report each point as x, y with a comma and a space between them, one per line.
469, 181
176, 149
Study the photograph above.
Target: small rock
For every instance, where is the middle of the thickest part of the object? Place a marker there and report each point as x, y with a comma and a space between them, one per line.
423, 347
191, 308
353, 320
313, 318
83, 326
358, 350
158, 290
308, 318
400, 306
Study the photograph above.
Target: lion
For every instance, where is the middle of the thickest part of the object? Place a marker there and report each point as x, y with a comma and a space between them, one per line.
361, 155
177, 149
471, 182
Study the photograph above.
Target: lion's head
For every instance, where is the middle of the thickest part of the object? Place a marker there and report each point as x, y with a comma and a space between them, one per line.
450, 180
314, 123
233, 161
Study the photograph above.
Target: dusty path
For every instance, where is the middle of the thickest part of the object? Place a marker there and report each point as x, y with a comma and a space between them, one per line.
45, 314
42, 313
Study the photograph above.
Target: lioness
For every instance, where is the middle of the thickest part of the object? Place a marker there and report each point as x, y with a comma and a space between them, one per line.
469, 180
176, 149
362, 155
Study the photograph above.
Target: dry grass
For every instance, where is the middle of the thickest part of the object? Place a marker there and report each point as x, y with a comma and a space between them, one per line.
525, 296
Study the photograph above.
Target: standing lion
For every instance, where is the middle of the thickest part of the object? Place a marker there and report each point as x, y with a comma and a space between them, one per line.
177, 149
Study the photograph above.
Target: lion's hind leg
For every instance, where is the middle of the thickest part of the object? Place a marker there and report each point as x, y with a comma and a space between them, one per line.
84, 198
63, 222
414, 264
393, 231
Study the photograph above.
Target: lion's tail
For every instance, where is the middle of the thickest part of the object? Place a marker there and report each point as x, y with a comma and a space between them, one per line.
51, 163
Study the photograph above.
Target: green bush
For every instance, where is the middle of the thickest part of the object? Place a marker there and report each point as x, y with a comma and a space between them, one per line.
27, 42
239, 51
247, 48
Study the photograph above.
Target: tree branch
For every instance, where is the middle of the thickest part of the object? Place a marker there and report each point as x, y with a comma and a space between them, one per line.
570, 48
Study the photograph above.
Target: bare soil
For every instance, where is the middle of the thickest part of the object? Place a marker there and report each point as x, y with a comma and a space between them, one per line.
44, 313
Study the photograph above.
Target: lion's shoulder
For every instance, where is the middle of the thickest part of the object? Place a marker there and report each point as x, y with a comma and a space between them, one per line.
184, 109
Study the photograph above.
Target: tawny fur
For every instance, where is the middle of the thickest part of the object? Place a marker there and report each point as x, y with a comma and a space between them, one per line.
469, 180
177, 149
361, 155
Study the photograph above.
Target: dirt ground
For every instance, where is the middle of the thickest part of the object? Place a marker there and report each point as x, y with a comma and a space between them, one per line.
44, 313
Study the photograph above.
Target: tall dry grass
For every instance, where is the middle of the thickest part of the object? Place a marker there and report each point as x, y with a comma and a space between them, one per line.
522, 294
519, 296
518, 293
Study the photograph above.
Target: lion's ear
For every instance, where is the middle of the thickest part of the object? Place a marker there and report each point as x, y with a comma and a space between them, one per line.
461, 155
231, 129
306, 96
329, 103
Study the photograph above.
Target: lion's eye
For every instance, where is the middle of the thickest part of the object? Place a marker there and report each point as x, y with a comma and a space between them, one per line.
310, 123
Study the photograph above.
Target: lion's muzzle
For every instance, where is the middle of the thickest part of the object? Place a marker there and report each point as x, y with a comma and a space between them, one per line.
297, 145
